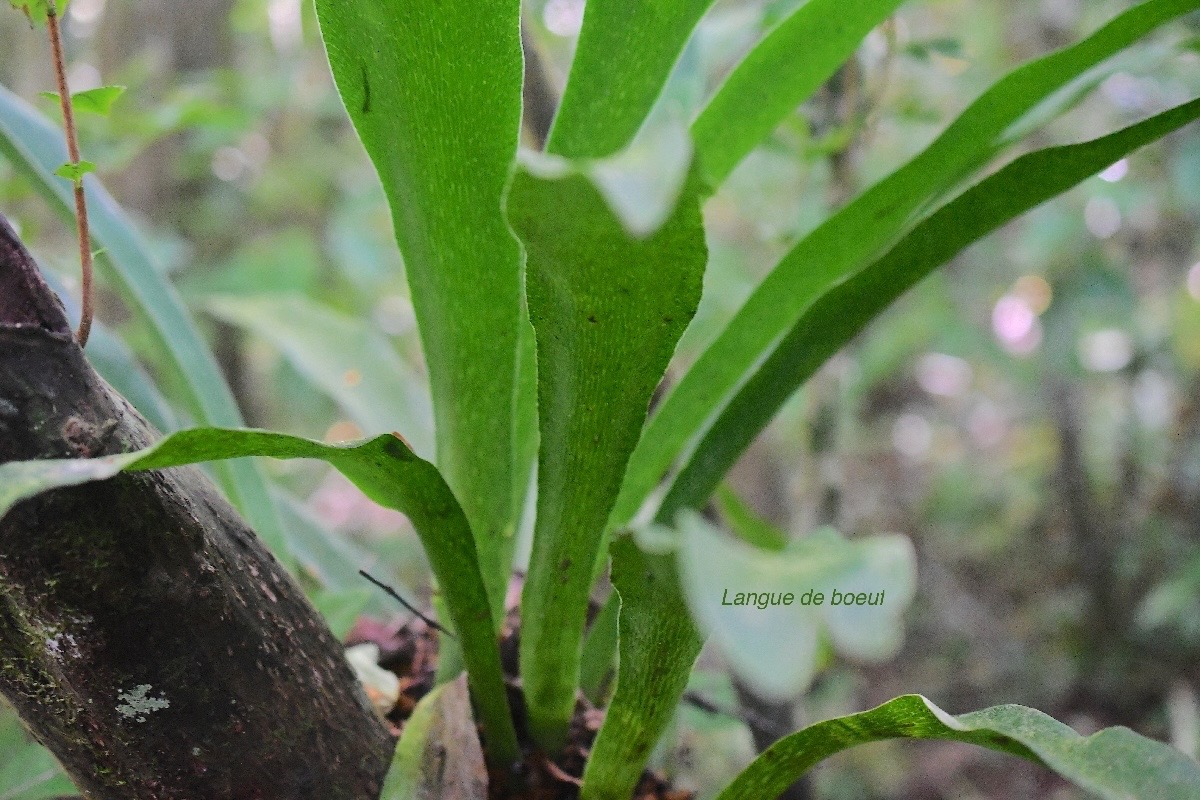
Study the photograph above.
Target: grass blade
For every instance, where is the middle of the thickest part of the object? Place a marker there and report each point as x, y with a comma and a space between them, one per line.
388, 472
35, 148
846, 242
607, 310
436, 100
1113, 764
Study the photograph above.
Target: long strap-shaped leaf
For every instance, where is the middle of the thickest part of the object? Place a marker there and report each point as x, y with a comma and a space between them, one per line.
780, 73
35, 148
435, 94
607, 309
388, 472
846, 242
845, 310
848, 307
625, 52
1114, 764
658, 646
438, 752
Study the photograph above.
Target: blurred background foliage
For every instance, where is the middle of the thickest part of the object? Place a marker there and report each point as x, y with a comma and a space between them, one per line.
1029, 416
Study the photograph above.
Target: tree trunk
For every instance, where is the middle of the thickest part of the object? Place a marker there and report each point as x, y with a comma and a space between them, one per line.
146, 636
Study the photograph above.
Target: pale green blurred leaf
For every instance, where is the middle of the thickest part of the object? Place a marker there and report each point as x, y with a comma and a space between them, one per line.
28, 771
278, 262
332, 559
642, 182
341, 608
438, 756
344, 356
715, 568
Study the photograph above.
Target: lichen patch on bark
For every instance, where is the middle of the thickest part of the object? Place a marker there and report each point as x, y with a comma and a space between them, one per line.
136, 703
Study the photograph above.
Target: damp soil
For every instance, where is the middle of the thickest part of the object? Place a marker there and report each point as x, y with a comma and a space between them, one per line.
410, 651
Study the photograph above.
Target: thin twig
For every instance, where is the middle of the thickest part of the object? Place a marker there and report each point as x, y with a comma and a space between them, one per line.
81, 219
392, 593
750, 718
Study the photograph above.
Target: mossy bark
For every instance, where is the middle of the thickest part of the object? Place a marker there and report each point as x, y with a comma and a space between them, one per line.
146, 636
